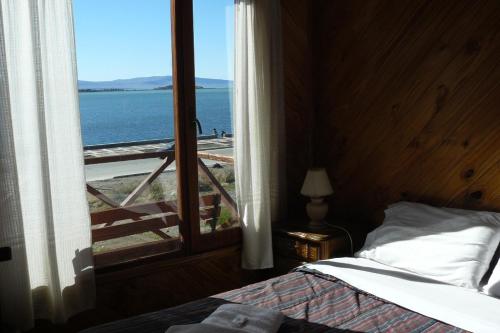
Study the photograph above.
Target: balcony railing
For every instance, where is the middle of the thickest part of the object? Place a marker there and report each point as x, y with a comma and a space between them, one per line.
127, 217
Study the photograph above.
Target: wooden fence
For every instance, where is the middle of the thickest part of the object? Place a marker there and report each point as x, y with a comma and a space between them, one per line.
128, 218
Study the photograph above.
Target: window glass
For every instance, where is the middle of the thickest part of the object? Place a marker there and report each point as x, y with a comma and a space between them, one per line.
126, 106
214, 53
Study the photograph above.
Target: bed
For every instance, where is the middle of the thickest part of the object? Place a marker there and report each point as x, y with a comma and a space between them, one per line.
330, 296
420, 271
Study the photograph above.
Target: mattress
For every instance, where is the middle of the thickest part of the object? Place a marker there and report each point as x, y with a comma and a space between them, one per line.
312, 299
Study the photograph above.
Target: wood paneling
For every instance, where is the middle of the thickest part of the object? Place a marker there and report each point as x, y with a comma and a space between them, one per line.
162, 284
408, 99
299, 110
158, 285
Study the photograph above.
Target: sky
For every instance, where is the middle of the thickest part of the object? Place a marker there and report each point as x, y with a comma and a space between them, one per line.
120, 39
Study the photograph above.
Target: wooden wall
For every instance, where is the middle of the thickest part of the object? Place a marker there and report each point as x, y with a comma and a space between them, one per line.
158, 284
163, 284
297, 23
407, 94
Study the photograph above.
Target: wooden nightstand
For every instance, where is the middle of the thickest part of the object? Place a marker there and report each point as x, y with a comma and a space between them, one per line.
295, 245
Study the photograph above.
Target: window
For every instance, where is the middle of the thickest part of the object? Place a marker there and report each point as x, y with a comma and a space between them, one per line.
156, 182
213, 58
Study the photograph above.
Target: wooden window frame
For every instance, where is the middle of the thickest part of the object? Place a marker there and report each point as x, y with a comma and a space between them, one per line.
188, 165
184, 118
183, 80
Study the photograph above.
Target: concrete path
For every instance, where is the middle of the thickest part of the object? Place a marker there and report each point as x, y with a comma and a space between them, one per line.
126, 168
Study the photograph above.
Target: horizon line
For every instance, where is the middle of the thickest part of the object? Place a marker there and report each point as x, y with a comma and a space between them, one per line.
143, 77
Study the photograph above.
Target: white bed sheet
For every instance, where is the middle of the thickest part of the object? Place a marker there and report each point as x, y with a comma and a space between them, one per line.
460, 307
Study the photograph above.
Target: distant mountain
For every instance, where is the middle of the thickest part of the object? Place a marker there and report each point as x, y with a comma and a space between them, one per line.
145, 83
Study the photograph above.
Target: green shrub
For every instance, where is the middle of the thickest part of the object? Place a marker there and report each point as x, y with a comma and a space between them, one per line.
229, 178
156, 192
225, 217
204, 184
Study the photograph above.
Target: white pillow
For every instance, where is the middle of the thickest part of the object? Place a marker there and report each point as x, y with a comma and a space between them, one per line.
451, 246
493, 286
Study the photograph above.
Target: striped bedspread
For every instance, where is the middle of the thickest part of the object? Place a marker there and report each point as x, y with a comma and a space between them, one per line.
311, 302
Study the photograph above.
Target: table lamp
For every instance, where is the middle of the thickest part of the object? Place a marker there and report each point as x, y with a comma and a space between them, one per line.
316, 186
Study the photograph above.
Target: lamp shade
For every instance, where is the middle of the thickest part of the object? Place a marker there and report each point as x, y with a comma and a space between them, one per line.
316, 183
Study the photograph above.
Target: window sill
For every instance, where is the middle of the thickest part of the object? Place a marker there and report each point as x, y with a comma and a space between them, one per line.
163, 254
162, 262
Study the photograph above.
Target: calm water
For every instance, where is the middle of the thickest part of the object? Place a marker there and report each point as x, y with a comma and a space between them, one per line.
122, 116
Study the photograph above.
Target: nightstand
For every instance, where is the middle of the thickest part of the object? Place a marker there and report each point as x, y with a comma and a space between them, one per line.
296, 244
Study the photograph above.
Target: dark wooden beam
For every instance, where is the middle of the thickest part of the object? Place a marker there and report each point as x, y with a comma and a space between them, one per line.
139, 210
101, 196
133, 228
127, 157
185, 116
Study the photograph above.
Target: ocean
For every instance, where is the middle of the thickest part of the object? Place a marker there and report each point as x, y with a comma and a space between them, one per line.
123, 116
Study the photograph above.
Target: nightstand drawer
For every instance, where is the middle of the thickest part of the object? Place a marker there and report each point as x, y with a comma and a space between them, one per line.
297, 249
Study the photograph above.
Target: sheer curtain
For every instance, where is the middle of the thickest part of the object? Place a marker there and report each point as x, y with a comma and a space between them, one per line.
44, 215
258, 126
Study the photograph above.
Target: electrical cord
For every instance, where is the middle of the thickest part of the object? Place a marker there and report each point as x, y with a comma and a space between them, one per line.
347, 233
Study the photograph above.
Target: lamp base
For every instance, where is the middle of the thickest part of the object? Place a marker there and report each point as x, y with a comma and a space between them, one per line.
316, 225
316, 210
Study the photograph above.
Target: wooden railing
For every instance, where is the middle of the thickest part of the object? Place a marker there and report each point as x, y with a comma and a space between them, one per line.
128, 218
164, 213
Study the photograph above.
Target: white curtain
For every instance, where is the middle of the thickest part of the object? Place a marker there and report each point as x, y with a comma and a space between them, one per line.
258, 126
44, 215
